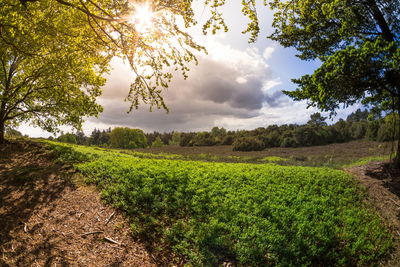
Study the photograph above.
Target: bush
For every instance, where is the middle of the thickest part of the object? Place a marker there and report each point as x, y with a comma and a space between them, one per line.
67, 138
186, 139
388, 130
203, 139
127, 138
157, 142
288, 142
248, 144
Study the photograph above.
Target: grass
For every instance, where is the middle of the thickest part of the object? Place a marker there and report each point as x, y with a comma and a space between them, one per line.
366, 160
207, 213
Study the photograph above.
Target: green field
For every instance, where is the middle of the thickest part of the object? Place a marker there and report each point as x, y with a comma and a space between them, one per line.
207, 213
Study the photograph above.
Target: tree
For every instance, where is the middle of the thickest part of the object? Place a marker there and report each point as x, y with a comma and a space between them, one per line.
176, 138
53, 54
317, 120
357, 42
127, 138
46, 78
157, 142
67, 138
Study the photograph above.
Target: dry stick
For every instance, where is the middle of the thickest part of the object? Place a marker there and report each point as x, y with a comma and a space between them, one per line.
395, 202
112, 241
91, 233
109, 218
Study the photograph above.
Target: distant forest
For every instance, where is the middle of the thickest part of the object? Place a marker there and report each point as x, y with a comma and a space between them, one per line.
358, 125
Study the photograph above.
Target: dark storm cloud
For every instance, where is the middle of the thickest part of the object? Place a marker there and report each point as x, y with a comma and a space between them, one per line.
276, 99
218, 82
215, 90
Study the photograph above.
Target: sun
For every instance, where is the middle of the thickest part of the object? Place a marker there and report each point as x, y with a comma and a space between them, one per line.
142, 18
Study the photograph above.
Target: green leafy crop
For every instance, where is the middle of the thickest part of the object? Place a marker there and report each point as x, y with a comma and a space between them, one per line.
250, 214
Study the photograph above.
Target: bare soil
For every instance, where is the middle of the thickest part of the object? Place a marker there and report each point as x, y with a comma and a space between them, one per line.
382, 185
47, 219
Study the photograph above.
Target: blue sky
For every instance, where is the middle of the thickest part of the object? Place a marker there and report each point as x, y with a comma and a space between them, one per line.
237, 85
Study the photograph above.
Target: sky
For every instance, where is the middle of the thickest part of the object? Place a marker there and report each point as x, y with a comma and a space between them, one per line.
236, 86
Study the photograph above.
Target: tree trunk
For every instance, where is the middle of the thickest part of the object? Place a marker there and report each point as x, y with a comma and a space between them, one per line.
396, 160
2, 131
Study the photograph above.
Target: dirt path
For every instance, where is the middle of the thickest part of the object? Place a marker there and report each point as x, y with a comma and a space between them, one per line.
47, 220
383, 191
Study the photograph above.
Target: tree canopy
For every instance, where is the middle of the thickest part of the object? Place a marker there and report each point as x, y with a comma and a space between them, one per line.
358, 44
46, 76
53, 55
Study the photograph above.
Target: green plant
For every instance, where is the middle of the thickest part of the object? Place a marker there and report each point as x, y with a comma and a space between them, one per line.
252, 214
248, 144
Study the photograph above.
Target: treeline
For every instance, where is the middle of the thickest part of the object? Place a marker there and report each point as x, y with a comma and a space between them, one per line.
358, 125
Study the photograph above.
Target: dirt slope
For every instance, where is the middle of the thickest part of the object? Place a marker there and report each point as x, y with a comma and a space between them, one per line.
383, 189
46, 219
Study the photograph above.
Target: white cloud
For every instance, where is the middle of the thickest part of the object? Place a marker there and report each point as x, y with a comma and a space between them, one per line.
271, 84
241, 80
268, 52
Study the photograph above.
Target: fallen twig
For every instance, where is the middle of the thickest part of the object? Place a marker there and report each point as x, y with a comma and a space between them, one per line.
112, 241
395, 202
109, 218
92, 233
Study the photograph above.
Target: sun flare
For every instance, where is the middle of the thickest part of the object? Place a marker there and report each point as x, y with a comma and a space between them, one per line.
143, 18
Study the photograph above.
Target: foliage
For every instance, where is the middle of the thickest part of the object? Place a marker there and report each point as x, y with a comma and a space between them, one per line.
13, 133
317, 120
358, 44
209, 213
248, 144
47, 77
157, 142
175, 139
203, 139
389, 129
67, 138
358, 125
127, 138
67, 154
99, 138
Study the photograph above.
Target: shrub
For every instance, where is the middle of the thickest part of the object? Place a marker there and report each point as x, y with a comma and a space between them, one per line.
288, 142
248, 144
127, 138
157, 142
67, 138
203, 139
